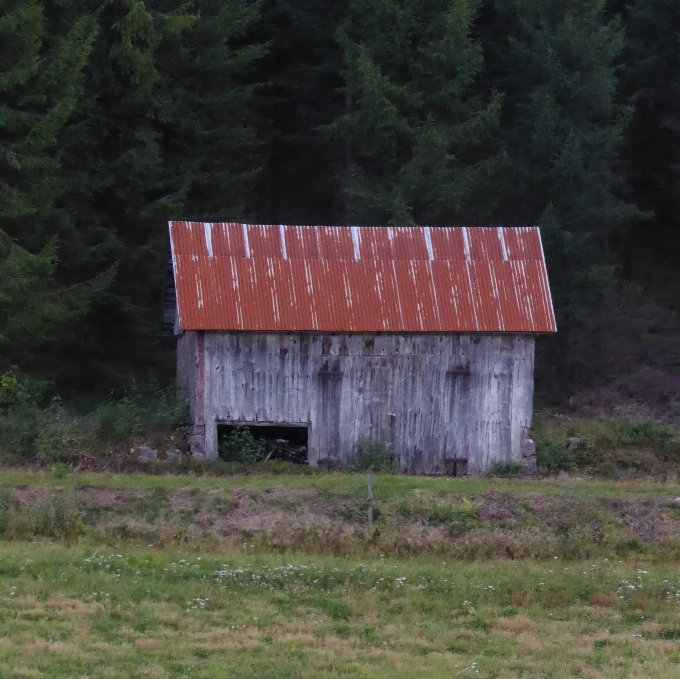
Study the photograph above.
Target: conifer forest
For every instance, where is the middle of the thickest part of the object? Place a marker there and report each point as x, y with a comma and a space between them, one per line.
168, 506
117, 116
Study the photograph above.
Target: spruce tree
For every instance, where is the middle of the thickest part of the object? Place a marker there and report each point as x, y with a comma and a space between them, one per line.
41, 79
41, 85
209, 140
561, 138
160, 134
299, 93
414, 121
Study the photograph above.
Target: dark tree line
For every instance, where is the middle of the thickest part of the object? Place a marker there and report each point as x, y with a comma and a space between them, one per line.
116, 116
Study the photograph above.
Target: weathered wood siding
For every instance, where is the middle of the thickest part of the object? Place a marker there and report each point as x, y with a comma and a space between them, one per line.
432, 397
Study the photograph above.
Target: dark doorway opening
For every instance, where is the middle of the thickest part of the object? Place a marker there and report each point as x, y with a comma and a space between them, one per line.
456, 466
243, 442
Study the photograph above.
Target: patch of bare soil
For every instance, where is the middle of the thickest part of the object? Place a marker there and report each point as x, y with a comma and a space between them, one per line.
646, 519
552, 511
249, 517
105, 498
181, 500
496, 506
27, 495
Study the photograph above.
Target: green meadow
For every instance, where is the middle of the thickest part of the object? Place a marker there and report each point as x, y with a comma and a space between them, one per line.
282, 576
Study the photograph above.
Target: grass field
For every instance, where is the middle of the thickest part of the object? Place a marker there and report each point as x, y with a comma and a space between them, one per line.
167, 576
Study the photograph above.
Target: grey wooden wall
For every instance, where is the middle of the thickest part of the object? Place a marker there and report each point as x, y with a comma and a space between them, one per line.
430, 396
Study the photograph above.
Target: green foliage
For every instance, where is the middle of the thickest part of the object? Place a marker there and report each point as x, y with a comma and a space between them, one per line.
506, 469
412, 115
139, 411
9, 388
562, 138
115, 116
56, 516
59, 436
34, 308
41, 77
460, 517
651, 83
590, 444
55, 433
240, 446
299, 92
162, 131
60, 470
118, 420
373, 456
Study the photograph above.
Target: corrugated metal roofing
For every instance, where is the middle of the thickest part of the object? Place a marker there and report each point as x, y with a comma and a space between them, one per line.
360, 279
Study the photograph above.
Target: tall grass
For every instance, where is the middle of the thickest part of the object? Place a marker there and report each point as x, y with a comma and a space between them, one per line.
53, 432
52, 514
605, 445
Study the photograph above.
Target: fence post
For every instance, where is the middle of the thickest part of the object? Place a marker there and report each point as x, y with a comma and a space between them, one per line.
369, 479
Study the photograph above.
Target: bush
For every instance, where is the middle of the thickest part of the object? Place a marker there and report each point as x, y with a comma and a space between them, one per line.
9, 388
19, 430
60, 434
506, 469
240, 446
460, 518
118, 420
373, 456
139, 412
53, 432
593, 444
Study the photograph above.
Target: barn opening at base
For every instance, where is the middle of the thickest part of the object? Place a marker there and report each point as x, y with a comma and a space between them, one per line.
419, 338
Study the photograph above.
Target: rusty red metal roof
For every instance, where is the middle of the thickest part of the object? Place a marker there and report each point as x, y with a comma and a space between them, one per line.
360, 279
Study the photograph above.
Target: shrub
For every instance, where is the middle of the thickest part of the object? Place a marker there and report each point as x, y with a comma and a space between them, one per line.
506, 469
19, 429
240, 446
373, 456
9, 388
139, 412
597, 443
59, 434
460, 518
165, 410
118, 420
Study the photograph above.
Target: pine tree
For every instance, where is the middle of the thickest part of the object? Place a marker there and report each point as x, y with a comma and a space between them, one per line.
413, 121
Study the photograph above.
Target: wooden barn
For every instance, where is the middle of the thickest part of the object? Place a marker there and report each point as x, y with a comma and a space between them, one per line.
418, 337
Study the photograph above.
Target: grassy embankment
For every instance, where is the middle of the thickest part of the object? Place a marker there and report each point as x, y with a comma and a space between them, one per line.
281, 576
